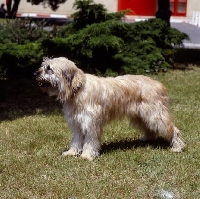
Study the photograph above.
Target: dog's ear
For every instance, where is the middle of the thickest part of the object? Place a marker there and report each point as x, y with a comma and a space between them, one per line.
69, 78
75, 79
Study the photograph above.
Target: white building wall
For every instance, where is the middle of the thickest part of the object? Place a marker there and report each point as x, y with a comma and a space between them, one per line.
67, 7
193, 5
111, 5
64, 9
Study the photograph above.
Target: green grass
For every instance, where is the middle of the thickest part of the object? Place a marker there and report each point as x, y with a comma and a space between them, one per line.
34, 133
2, 20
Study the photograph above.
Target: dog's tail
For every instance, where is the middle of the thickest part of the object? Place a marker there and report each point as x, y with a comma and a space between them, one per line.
177, 142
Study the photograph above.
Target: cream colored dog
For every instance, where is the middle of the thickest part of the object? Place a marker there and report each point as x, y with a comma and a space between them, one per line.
90, 102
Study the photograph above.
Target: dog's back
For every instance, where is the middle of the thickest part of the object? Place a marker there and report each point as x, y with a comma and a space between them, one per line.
122, 95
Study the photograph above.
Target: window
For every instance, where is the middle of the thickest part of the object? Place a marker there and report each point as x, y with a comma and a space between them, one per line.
181, 6
178, 7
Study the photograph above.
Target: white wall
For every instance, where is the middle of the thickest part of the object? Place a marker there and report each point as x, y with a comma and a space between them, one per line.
64, 9
193, 5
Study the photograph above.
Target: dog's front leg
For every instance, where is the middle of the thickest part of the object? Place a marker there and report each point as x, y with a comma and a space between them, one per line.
91, 146
76, 145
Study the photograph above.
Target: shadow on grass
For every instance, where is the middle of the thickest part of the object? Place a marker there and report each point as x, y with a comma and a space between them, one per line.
187, 56
133, 144
23, 97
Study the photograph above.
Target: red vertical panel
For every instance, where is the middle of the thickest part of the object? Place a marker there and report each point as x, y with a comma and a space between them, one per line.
139, 7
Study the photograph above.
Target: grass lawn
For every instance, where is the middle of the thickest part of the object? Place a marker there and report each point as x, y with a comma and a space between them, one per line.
2, 20
34, 133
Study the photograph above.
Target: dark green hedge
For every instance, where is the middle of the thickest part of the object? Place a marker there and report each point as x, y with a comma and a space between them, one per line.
97, 41
146, 46
18, 60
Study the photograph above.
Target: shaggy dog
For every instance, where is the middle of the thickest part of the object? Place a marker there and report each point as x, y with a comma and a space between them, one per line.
90, 102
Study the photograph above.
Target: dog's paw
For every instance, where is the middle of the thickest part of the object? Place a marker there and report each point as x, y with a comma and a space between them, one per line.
177, 143
176, 150
89, 155
70, 152
178, 147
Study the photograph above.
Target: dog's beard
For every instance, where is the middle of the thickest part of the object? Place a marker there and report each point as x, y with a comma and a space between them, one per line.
50, 88
43, 84
51, 91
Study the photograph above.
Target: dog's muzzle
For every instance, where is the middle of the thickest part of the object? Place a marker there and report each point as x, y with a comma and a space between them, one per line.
41, 82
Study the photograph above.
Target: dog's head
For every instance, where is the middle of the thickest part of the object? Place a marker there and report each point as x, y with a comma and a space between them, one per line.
60, 77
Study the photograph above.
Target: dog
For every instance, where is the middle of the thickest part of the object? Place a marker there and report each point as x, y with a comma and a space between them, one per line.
91, 102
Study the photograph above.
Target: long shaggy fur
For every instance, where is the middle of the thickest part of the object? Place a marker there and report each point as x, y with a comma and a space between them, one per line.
90, 102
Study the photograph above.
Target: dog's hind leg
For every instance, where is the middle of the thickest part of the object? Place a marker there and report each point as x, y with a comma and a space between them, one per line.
164, 127
172, 134
177, 143
156, 122
140, 125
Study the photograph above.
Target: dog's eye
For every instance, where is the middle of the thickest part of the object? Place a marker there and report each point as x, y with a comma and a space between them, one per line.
48, 67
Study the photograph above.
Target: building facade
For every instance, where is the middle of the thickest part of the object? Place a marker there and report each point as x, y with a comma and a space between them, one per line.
179, 8
140, 8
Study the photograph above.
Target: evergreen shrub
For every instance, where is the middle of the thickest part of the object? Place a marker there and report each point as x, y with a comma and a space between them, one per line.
19, 60
18, 53
146, 46
97, 41
22, 31
101, 42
